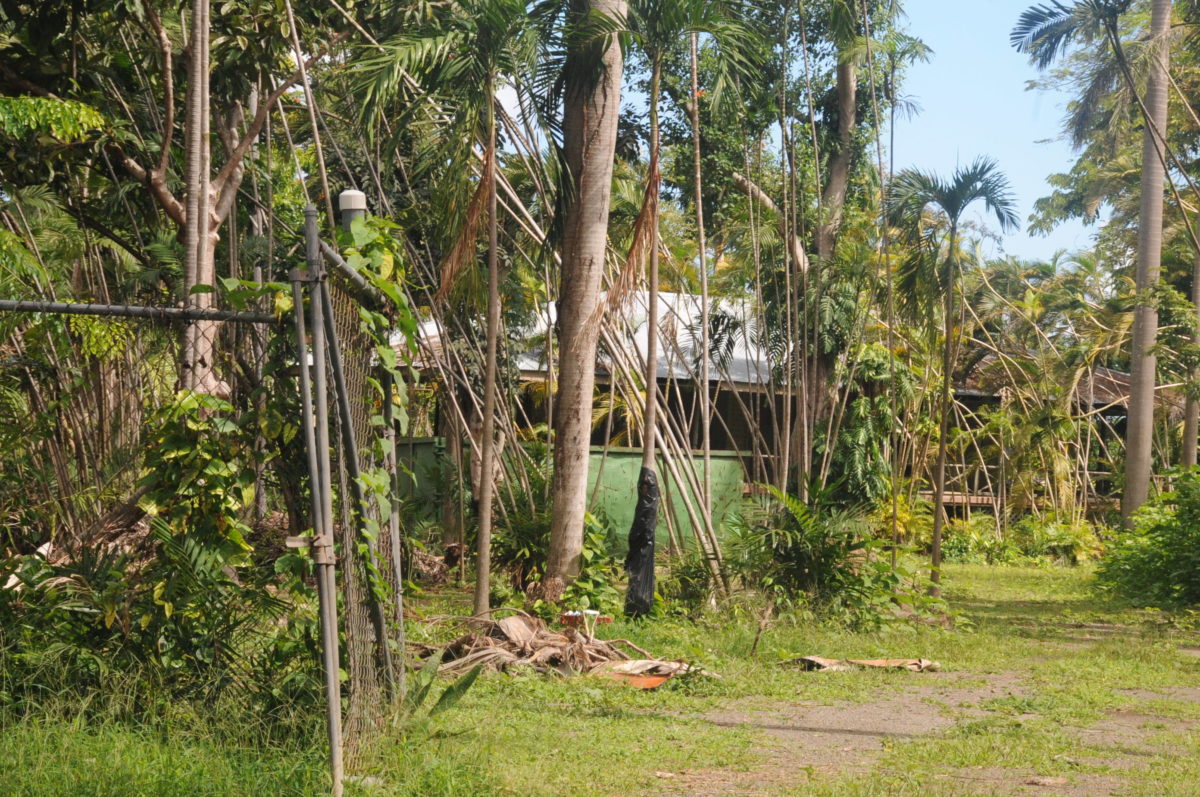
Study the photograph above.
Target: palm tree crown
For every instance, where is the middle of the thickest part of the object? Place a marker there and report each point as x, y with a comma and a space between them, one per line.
913, 193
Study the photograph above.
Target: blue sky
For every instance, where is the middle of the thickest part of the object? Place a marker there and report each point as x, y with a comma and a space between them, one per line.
974, 102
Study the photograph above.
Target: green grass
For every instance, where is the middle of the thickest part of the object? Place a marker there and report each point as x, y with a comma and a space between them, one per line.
60, 758
1074, 656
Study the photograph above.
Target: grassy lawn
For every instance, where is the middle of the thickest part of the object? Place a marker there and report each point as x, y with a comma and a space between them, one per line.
1045, 688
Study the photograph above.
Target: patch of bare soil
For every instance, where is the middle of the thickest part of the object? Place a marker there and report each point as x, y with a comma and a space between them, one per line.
803, 740
1186, 694
1128, 731
1124, 740
1127, 734
1006, 782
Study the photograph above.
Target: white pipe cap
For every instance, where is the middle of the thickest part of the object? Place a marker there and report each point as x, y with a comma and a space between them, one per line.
352, 200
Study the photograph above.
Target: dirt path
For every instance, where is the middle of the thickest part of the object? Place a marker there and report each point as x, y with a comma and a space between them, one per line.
1071, 719
818, 740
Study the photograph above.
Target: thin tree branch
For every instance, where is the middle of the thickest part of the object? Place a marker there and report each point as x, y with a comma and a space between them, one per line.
752, 190
264, 108
107, 232
168, 77
155, 183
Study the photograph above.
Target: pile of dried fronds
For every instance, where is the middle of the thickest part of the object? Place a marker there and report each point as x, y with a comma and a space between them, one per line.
524, 641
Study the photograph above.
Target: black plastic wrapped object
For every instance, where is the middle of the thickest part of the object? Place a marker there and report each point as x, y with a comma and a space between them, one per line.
639, 562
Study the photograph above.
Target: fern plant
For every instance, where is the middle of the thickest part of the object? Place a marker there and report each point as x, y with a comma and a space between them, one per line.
822, 556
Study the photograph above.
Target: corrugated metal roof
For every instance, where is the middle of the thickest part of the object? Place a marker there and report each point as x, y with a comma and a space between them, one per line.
737, 358
1102, 387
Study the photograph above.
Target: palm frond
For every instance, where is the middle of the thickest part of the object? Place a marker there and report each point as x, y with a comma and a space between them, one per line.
463, 250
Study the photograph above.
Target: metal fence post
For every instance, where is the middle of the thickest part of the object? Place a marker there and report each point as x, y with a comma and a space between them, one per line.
353, 205
317, 443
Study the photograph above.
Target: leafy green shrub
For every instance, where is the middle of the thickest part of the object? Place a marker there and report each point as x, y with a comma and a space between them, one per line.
520, 544
1060, 541
977, 541
521, 538
823, 556
1031, 540
688, 585
1158, 562
914, 520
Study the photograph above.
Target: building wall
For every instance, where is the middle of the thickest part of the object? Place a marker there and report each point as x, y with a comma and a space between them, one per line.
617, 475
431, 478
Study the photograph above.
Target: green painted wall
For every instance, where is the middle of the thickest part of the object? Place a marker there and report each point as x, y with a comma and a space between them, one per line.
617, 473
617, 494
429, 469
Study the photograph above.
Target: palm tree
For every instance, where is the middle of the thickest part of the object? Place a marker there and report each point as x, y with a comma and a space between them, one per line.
657, 27
461, 60
1045, 31
936, 242
1140, 431
591, 107
199, 338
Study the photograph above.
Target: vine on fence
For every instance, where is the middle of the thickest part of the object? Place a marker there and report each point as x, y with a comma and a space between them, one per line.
374, 252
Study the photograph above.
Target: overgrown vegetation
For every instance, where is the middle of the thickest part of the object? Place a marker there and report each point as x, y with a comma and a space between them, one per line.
738, 273
182, 607
1030, 540
519, 734
1154, 564
825, 560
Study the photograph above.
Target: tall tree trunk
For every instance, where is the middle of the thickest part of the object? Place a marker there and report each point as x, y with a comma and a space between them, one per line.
487, 480
1140, 432
639, 562
701, 244
199, 337
814, 405
592, 105
939, 473
651, 399
833, 198
1191, 412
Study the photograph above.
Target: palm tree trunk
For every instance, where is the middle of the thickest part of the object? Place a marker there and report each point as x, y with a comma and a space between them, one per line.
1140, 431
939, 473
639, 562
590, 113
487, 474
198, 336
652, 280
1191, 413
701, 243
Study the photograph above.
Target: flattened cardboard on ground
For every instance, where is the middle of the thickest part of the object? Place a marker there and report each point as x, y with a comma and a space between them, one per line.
819, 664
642, 673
